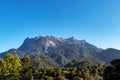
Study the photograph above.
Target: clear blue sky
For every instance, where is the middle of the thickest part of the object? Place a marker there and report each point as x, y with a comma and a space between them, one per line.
96, 21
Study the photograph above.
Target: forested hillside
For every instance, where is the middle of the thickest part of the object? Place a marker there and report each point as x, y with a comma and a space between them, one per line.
13, 68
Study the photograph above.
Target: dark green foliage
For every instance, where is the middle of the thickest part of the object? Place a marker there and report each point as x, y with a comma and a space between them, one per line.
82, 61
83, 72
27, 69
112, 72
75, 63
115, 62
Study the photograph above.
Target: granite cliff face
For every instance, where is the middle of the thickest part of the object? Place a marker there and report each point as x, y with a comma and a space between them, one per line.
44, 44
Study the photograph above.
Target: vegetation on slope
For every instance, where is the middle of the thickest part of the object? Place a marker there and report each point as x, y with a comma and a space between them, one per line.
13, 68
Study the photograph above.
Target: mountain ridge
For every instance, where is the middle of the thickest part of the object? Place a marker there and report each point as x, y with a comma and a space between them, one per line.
46, 42
60, 50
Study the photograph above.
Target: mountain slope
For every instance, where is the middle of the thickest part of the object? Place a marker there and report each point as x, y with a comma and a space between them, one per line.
109, 55
66, 53
43, 44
57, 50
43, 60
16, 52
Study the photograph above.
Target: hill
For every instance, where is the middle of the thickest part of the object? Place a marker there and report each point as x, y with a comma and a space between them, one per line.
109, 55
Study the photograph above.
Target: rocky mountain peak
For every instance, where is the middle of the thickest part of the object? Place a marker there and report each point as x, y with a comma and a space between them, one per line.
43, 44
71, 38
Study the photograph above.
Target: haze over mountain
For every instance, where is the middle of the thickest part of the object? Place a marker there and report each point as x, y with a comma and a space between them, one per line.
61, 51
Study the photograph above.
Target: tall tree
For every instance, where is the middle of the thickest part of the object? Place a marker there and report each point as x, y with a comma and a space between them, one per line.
9, 66
27, 69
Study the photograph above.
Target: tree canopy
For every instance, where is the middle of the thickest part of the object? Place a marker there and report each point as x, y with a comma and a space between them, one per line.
13, 68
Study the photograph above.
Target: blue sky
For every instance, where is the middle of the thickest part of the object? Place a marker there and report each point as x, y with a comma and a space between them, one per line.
96, 21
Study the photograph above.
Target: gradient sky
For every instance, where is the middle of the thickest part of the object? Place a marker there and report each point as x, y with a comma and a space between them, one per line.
96, 21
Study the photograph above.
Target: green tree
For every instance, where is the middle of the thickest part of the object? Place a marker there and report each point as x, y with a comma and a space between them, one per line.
9, 67
112, 72
27, 70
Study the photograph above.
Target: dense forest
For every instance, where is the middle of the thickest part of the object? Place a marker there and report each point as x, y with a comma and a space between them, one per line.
13, 68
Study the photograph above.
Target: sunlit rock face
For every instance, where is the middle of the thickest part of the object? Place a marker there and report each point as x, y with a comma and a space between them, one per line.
44, 44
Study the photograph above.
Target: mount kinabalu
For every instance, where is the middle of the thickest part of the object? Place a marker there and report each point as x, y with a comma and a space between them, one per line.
44, 44
59, 50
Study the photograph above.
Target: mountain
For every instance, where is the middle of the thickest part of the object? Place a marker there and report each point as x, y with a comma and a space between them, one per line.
60, 51
44, 44
66, 53
43, 60
16, 52
109, 55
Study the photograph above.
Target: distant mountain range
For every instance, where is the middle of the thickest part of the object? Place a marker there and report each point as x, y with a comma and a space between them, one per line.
53, 51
